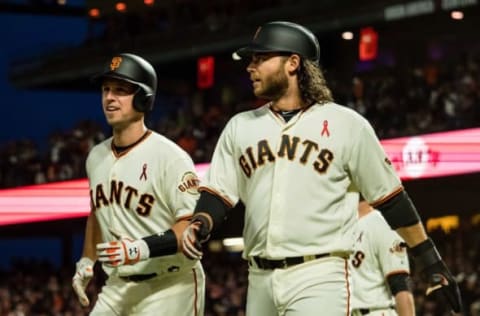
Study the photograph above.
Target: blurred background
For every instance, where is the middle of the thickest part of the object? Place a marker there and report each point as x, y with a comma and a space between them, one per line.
410, 67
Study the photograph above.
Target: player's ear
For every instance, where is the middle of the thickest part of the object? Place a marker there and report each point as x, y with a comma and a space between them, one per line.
293, 63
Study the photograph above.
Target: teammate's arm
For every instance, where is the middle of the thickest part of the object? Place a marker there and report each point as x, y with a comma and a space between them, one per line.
400, 213
84, 267
413, 235
404, 304
212, 206
127, 251
400, 289
209, 214
93, 236
186, 235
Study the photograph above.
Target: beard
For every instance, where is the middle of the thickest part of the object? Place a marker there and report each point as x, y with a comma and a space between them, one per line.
273, 87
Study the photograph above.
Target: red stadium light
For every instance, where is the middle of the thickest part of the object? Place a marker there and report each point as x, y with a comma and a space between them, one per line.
149, 2
121, 7
368, 46
205, 72
456, 15
94, 13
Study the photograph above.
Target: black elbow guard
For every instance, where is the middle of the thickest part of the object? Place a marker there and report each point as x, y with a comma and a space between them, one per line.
399, 282
399, 211
213, 206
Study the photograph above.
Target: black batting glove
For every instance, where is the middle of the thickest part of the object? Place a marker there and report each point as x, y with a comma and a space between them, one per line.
204, 228
436, 274
196, 233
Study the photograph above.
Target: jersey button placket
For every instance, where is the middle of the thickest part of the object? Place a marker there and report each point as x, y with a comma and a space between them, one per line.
112, 209
277, 205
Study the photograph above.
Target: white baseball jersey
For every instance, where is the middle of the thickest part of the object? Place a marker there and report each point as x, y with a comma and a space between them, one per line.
294, 177
140, 192
378, 254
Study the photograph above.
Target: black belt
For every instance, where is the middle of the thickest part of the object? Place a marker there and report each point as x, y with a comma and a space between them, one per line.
268, 264
365, 311
138, 277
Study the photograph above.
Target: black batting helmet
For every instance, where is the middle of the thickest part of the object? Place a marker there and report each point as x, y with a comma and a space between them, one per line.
282, 37
136, 70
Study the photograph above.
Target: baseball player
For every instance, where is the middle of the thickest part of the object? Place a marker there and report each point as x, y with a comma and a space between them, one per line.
293, 163
141, 183
380, 268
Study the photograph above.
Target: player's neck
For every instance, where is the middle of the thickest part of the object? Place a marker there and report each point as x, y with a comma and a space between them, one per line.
288, 102
128, 135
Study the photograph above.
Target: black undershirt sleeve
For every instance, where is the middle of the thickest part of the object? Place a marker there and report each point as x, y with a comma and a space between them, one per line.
212, 205
162, 244
399, 211
399, 282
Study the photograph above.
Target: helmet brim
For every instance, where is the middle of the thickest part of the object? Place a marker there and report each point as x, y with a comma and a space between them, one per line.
98, 78
248, 51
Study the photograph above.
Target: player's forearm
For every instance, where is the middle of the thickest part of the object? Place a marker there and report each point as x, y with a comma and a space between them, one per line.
404, 303
210, 210
413, 235
93, 236
168, 242
127, 251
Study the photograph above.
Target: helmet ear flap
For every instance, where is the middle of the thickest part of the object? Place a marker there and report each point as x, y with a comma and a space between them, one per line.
143, 101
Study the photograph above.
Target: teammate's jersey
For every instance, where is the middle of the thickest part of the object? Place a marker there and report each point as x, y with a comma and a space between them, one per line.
140, 192
320, 147
378, 254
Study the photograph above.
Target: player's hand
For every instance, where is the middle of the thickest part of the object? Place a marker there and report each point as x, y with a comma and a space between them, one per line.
83, 275
436, 274
196, 233
440, 279
125, 251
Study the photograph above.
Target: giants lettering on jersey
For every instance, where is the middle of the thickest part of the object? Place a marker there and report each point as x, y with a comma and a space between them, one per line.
120, 193
291, 147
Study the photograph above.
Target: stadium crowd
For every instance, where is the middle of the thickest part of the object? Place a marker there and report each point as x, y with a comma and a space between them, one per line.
39, 289
398, 102
431, 98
